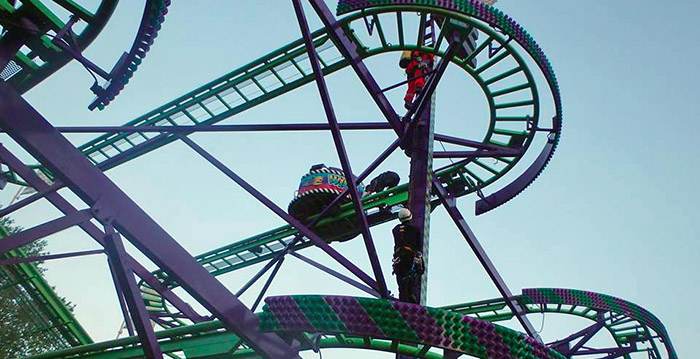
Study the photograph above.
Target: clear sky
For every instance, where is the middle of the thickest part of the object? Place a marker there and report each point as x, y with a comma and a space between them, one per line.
615, 211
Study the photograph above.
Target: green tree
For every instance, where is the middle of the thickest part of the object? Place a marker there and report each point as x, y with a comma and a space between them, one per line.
22, 327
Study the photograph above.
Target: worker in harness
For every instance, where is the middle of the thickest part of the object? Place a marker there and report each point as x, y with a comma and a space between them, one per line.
408, 257
417, 64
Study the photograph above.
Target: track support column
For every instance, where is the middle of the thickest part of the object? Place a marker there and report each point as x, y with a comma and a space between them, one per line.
421, 151
124, 281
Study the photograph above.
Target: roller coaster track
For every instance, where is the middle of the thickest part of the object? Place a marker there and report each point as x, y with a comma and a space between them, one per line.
347, 322
516, 111
283, 71
40, 57
287, 69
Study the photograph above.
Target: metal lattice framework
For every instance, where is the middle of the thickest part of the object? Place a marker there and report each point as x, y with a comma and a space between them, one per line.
525, 113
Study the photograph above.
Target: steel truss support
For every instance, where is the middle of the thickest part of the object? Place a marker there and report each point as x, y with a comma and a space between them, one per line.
349, 50
266, 127
54, 226
340, 149
124, 276
17, 260
420, 134
66, 208
564, 346
280, 256
267, 284
29, 200
450, 204
420, 178
36, 135
281, 213
336, 274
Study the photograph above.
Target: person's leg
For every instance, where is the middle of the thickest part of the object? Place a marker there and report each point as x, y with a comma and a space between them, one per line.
419, 82
410, 93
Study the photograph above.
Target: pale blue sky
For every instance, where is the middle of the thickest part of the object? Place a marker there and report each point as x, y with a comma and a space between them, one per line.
615, 211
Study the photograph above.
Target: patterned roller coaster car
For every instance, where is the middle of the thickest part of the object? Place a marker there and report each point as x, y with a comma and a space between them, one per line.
317, 189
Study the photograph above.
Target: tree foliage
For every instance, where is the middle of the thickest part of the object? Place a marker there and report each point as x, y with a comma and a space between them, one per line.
21, 323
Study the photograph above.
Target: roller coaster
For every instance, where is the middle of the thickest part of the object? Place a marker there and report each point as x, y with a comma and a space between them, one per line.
525, 113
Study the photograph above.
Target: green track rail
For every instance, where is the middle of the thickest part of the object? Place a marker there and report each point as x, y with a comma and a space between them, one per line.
512, 93
211, 340
287, 69
39, 58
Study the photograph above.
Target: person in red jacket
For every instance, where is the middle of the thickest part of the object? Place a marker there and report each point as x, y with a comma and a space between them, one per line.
417, 64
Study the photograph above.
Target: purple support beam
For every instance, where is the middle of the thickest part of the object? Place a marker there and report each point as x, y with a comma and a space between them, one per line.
66, 208
29, 200
336, 274
421, 172
349, 50
120, 297
450, 204
373, 166
225, 128
12, 41
340, 149
387, 152
78, 56
267, 284
30, 235
125, 277
420, 147
17, 260
564, 346
30, 130
281, 213
260, 273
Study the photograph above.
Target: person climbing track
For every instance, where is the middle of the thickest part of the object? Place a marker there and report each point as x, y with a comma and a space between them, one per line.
408, 257
383, 182
417, 64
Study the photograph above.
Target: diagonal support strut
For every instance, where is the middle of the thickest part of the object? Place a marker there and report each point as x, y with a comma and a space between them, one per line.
340, 149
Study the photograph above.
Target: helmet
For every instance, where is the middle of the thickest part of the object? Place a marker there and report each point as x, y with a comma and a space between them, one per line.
405, 215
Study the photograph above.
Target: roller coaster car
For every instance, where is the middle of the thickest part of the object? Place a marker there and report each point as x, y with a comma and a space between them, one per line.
318, 188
